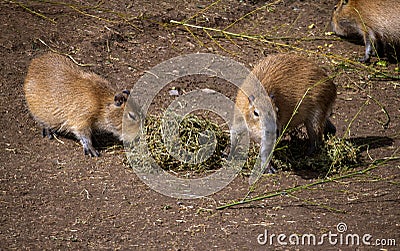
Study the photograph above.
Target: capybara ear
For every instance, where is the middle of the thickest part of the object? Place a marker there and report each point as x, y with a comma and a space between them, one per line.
251, 99
127, 92
272, 96
121, 98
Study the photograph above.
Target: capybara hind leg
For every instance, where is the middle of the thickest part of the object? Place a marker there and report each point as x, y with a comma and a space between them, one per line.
330, 128
47, 132
313, 137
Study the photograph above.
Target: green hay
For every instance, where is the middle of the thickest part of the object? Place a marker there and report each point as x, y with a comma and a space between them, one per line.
191, 133
336, 155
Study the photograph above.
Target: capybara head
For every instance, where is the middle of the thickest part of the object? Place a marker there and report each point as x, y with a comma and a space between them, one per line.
346, 19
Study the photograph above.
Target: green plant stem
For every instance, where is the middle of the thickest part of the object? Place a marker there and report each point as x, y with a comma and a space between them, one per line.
34, 12
290, 190
269, 41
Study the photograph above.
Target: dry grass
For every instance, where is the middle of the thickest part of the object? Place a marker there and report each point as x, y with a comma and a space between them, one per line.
335, 156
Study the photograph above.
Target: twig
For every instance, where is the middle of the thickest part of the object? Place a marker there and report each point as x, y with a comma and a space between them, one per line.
250, 13
290, 190
65, 54
353, 119
86, 192
89, 15
194, 36
218, 44
34, 12
384, 124
269, 41
293, 23
203, 10
59, 140
78, 9
318, 204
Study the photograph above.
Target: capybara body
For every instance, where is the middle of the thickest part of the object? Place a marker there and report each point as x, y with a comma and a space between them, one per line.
288, 80
62, 97
377, 22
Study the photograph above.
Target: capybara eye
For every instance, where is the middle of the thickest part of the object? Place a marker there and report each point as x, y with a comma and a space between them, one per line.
256, 113
132, 115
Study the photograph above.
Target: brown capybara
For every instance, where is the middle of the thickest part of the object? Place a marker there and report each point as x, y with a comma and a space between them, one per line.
377, 22
62, 97
289, 79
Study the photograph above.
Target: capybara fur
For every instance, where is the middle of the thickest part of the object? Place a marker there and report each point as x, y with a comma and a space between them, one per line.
63, 98
288, 80
377, 22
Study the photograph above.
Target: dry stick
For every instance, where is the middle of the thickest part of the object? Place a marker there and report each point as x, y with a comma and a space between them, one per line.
250, 13
289, 38
347, 132
218, 44
203, 10
335, 210
263, 39
126, 20
231, 40
78, 9
34, 12
290, 190
120, 15
194, 36
65, 54
90, 15
292, 24
384, 124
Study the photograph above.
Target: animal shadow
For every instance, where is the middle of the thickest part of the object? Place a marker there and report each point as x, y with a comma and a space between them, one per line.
317, 165
371, 142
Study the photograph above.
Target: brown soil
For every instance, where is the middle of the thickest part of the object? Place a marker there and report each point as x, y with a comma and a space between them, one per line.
54, 197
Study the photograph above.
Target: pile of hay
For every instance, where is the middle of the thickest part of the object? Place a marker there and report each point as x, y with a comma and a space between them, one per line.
192, 135
335, 156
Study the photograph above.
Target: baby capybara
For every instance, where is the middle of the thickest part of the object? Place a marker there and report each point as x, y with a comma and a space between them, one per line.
289, 79
63, 98
377, 22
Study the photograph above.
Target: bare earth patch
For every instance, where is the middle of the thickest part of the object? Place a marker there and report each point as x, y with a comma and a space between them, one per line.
54, 197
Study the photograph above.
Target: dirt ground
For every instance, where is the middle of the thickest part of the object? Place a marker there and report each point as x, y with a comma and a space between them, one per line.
53, 197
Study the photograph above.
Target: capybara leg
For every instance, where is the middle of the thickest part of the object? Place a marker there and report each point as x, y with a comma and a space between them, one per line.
88, 147
313, 137
270, 169
47, 132
85, 139
329, 128
370, 43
